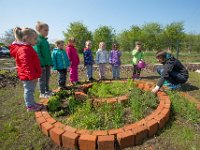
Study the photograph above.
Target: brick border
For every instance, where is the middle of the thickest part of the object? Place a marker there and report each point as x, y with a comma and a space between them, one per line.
129, 135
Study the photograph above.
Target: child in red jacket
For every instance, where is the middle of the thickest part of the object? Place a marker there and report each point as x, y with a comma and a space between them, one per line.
27, 64
74, 61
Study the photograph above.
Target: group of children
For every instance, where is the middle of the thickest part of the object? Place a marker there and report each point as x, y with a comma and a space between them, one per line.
34, 60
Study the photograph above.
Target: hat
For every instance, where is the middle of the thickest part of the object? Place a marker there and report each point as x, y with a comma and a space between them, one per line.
138, 43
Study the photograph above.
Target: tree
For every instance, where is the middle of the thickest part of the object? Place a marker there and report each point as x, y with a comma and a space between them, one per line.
124, 41
150, 36
173, 34
104, 34
7, 38
80, 32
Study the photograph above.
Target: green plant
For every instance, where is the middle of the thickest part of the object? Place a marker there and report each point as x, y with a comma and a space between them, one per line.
54, 103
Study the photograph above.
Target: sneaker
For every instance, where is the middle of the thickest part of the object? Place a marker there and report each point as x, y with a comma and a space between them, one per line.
174, 87
44, 95
50, 93
33, 108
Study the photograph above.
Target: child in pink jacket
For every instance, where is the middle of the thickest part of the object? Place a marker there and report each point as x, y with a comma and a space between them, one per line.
74, 61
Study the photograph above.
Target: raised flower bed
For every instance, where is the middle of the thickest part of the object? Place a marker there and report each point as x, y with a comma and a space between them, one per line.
125, 136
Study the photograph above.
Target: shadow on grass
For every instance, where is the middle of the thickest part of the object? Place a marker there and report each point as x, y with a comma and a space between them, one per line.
188, 87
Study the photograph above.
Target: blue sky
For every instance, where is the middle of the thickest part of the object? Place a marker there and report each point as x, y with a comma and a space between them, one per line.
119, 14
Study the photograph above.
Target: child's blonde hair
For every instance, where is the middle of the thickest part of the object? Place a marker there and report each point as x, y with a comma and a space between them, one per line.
71, 40
58, 42
88, 42
40, 25
22, 34
101, 43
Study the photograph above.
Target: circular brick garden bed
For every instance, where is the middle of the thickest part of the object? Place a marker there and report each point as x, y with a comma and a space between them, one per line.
126, 136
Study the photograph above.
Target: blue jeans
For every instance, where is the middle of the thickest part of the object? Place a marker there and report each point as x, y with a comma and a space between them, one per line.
116, 71
29, 89
89, 69
174, 77
44, 79
62, 77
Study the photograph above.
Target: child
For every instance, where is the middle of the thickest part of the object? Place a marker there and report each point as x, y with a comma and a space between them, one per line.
88, 60
115, 61
27, 64
43, 50
173, 73
137, 56
60, 63
74, 61
102, 59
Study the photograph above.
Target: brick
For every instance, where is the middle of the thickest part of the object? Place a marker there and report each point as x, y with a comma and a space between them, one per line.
83, 131
100, 132
129, 127
126, 139
38, 114
70, 129
59, 125
46, 127
56, 134
115, 131
87, 142
70, 140
140, 134
51, 120
140, 85
46, 115
106, 142
161, 120
111, 100
122, 99
152, 126
166, 112
40, 120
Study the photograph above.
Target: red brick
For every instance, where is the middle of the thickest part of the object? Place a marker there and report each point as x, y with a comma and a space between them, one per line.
46, 115
83, 131
161, 120
149, 117
115, 131
152, 126
40, 120
70, 129
129, 127
166, 112
106, 142
111, 100
46, 127
126, 139
122, 99
51, 120
100, 132
38, 114
59, 125
70, 140
87, 142
140, 85
56, 134
140, 134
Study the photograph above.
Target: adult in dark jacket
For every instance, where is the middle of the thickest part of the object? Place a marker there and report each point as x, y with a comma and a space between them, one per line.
173, 73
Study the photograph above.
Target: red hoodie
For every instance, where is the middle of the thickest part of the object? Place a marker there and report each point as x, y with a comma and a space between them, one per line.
27, 61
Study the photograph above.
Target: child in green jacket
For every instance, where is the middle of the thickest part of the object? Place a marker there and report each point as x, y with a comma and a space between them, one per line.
137, 56
43, 50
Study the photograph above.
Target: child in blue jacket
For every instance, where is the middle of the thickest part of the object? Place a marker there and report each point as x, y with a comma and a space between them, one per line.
60, 63
88, 60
